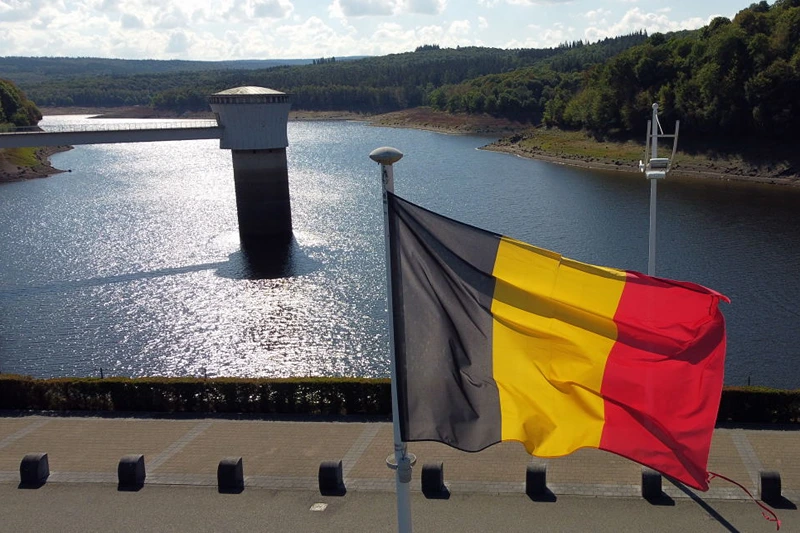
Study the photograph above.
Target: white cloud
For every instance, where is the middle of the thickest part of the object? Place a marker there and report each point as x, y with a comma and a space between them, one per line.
459, 28
363, 8
544, 37
247, 10
236, 29
536, 2
20, 10
178, 43
637, 19
172, 18
597, 14
423, 7
130, 22
343, 9
274, 9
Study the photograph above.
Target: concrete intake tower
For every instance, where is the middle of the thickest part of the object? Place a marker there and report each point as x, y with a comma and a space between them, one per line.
254, 121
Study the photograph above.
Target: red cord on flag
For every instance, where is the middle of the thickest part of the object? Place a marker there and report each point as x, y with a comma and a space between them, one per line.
766, 512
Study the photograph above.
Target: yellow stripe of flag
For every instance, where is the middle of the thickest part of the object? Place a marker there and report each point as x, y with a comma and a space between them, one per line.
553, 332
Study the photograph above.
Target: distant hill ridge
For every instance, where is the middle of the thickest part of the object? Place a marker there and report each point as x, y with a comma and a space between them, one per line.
28, 70
735, 78
371, 84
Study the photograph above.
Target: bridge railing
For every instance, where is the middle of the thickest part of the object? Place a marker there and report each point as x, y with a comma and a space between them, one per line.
119, 126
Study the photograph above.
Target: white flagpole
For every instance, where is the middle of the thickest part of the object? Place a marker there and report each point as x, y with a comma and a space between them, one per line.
401, 461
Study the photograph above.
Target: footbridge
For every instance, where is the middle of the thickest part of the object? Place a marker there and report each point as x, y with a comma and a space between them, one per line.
250, 122
104, 133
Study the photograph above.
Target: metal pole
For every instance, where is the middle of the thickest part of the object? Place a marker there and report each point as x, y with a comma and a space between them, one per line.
651, 256
655, 131
402, 463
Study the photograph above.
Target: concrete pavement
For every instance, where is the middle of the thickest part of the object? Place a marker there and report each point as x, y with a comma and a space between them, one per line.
282, 456
95, 507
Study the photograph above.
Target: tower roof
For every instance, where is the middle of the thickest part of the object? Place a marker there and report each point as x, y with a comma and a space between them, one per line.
247, 91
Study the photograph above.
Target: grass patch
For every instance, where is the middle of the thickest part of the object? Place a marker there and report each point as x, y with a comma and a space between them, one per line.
750, 159
562, 143
21, 157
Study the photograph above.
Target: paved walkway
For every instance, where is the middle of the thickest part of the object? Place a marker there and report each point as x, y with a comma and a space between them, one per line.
287, 454
95, 507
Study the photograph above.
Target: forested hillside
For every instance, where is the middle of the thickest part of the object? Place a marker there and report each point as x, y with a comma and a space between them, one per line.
739, 77
372, 84
15, 108
29, 70
523, 94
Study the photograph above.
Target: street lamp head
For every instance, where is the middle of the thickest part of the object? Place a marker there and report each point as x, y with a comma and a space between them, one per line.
386, 155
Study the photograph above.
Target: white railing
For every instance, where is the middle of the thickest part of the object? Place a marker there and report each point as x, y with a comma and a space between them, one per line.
121, 126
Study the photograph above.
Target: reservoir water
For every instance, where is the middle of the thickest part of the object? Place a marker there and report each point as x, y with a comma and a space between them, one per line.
131, 262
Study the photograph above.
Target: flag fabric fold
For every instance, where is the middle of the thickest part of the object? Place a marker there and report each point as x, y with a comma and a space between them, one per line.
497, 340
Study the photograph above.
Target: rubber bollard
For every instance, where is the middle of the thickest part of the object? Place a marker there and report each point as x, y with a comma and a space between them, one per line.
536, 481
34, 469
230, 475
331, 480
770, 481
651, 484
433, 481
131, 473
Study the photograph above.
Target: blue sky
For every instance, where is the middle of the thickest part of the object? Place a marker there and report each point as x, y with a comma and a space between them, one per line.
281, 29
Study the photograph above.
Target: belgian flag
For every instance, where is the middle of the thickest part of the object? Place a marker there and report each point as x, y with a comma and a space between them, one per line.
497, 340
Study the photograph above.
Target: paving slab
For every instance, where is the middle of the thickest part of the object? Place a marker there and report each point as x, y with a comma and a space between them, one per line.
286, 455
779, 450
593, 467
81, 508
372, 463
726, 459
266, 448
10, 426
94, 444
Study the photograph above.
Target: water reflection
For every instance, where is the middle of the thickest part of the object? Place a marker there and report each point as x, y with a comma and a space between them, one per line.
132, 262
280, 257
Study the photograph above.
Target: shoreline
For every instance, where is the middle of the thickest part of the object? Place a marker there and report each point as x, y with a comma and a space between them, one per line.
610, 166
11, 172
689, 167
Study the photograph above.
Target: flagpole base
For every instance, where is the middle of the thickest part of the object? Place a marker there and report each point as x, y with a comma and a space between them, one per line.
404, 470
391, 462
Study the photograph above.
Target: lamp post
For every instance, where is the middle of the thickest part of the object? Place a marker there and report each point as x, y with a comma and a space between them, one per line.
655, 168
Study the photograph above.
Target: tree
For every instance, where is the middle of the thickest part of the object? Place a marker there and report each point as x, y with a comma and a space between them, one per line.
15, 108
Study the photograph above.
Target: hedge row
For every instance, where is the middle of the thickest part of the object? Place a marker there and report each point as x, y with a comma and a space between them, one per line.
316, 396
759, 405
300, 396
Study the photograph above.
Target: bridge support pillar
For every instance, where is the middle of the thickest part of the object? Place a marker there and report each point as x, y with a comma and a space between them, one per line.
254, 122
263, 208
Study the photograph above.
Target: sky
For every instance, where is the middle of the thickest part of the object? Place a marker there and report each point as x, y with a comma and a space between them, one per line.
300, 29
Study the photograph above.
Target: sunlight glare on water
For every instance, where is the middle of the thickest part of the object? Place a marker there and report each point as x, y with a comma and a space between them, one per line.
131, 262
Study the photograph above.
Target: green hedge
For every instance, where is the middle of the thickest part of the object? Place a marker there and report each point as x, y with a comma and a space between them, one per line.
317, 396
300, 396
759, 405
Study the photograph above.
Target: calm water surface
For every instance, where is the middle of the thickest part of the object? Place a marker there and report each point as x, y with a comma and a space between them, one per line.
131, 262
